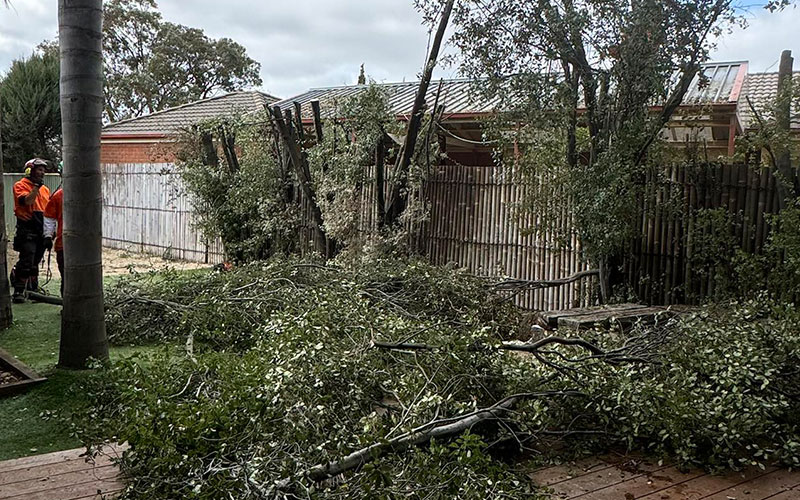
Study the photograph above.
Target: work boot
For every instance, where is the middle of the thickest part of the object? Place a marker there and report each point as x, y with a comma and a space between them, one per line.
18, 298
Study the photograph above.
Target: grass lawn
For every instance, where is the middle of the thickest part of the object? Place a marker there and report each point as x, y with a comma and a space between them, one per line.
29, 422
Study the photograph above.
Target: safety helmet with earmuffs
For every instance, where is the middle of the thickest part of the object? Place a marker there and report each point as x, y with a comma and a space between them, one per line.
33, 162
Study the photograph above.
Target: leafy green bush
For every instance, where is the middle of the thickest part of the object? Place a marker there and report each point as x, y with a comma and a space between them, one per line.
245, 198
724, 395
284, 376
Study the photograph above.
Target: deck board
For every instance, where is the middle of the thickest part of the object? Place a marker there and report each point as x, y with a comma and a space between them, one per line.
62, 475
620, 480
778, 481
623, 315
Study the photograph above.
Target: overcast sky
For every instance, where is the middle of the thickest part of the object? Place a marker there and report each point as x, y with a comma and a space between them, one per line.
314, 43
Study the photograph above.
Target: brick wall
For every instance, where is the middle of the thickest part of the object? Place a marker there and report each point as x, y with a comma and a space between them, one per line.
136, 152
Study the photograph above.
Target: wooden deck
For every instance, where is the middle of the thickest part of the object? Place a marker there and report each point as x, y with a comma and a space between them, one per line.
631, 478
63, 475
615, 314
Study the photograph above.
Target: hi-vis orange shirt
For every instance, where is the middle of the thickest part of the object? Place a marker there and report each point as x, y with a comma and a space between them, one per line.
54, 211
23, 188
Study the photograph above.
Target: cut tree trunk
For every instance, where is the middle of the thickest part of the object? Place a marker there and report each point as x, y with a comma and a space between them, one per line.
786, 183
398, 193
304, 176
83, 331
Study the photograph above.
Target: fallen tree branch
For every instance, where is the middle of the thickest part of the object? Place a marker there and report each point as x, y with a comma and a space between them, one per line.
405, 346
536, 285
422, 434
47, 299
620, 355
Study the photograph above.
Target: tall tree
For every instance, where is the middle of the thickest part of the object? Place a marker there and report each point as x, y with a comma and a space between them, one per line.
83, 332
152, 64
6, 316
578, 81
31, 116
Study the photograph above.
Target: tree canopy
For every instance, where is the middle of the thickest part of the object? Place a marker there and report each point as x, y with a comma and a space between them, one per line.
31, 117
152, 64
587, 86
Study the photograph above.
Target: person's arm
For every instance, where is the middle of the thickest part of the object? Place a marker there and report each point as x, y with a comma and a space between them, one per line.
50, 225
30, 198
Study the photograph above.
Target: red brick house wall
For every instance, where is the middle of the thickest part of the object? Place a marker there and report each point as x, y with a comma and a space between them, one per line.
118, 151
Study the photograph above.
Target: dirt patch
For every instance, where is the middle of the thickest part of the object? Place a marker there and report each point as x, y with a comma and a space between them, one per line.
7, 377
118, 262
122, 262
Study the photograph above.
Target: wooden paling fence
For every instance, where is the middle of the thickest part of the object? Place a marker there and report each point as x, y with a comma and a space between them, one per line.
472, 223
147, 209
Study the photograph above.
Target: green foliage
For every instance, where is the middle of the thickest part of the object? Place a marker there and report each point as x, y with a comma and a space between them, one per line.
282, 375
31, 113
724, 395
576, 82
152, 64
247, 204
254, 201
727, 397
717, 253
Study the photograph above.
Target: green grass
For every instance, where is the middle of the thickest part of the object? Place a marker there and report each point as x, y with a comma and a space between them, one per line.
30, 423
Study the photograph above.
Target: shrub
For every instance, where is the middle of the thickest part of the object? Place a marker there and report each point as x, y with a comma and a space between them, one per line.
284, 376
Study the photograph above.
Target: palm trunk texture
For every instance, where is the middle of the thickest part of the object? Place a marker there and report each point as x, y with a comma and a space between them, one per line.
5, 290
83, 332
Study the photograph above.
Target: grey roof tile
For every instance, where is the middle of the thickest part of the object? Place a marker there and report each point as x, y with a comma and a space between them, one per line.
459, 97
761, 89
172, 120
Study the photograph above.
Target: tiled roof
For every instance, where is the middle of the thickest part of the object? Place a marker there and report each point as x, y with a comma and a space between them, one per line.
761, 89
172, 120
459, 97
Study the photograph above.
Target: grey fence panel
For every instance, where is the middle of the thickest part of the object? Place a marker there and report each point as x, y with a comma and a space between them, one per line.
145, 209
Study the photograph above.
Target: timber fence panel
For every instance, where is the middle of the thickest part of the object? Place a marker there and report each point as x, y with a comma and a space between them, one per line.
146, 208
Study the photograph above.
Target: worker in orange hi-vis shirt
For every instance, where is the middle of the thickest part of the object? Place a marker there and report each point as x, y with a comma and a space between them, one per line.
54, 227
30, 199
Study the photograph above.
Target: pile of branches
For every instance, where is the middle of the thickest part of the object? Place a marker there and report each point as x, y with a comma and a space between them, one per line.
297, 380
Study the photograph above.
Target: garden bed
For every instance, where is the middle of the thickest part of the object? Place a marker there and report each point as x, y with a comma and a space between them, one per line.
15, 377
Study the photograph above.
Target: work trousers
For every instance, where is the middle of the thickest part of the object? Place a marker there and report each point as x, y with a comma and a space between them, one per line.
60, 262
29, 242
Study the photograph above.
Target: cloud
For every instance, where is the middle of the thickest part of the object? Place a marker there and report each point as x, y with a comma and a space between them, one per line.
763, 40
23, 26
314, 43
300, 44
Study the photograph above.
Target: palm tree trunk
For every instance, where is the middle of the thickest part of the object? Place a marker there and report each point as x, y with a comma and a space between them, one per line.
5, 290
83, 332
